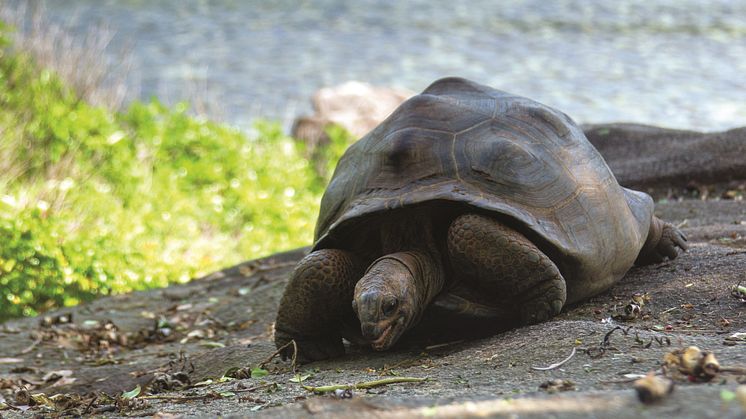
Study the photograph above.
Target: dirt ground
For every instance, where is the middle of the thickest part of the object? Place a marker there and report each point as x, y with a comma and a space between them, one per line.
191, 335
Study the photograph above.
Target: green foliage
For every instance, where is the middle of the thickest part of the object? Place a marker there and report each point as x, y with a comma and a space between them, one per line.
132, 393
31, 260
93, 202
259, 372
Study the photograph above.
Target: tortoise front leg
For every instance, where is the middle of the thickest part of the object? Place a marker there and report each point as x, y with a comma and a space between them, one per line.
504, 263
316, 304
663, 239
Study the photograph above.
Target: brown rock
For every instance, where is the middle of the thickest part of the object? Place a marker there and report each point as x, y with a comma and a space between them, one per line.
356, 106
643, 157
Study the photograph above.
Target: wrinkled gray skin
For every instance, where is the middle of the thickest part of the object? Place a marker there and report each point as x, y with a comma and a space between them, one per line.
470, 209
390, 298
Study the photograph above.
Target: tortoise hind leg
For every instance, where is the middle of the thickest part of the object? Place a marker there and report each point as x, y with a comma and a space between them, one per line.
663, 239
506, 265
317, 303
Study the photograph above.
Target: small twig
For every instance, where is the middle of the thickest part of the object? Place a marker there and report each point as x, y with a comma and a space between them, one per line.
556, 365
365, 384
255, 388
620, 381
669, 310
734, 370
252, 400
208, 396
691, 331
442, 345
605, 344
172, 398
607, 336
159, 354
32, 346
736, 252
214, 319
105, 409
279, 350
409, 362
88, 408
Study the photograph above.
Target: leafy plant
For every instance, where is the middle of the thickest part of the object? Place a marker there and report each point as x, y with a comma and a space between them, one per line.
94, 201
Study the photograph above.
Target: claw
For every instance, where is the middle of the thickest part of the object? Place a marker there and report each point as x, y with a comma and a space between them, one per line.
674, 237
681, 240
669, 240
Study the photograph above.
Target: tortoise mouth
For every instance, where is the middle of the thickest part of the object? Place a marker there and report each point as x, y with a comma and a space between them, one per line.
388, 337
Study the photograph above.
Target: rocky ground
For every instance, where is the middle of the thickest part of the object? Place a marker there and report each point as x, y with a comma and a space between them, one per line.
205, 348
178, 344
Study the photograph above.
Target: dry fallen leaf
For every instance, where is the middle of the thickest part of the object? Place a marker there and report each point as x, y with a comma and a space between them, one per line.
557, 385
653, 388
693, 362
56, 375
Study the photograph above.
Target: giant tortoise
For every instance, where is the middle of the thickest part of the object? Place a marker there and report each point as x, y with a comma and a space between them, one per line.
486, 207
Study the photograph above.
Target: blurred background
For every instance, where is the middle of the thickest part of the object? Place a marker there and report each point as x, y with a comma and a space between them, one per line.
676, 63
144, 143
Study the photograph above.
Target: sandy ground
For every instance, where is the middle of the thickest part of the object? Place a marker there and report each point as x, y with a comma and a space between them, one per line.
201, 330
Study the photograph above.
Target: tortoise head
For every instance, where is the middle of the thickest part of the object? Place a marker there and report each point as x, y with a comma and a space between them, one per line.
393, 294
385, 301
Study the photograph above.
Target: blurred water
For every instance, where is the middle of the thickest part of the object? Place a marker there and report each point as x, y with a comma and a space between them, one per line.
677, 63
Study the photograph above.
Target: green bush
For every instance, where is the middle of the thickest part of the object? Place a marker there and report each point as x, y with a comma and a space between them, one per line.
35, 273
93, 202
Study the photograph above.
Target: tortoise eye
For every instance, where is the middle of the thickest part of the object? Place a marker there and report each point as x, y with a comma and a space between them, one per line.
389, 305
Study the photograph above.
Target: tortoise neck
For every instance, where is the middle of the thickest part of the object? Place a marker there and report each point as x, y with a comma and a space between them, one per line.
411, 262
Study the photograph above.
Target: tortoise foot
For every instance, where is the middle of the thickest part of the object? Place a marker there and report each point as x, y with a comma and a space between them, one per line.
662, 242
671, 238
544, 301
504, 263
316, 304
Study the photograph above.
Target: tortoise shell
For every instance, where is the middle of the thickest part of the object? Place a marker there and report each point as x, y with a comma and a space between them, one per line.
462, 143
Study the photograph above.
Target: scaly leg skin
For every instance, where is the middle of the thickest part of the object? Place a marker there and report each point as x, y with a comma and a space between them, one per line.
317, 303
505, 264
663, 239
